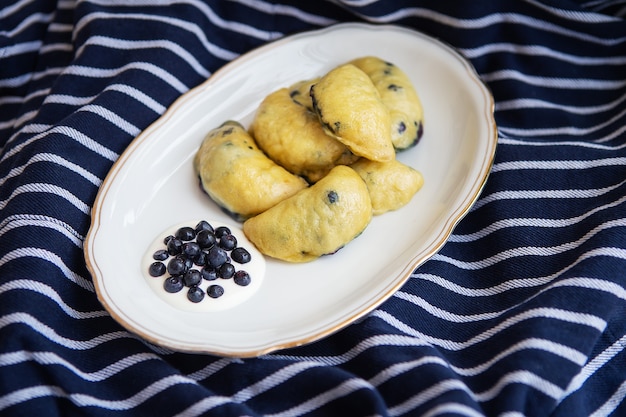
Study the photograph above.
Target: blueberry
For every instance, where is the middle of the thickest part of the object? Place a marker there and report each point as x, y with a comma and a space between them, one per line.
206, 239
226, 271
195, 294
241, 255
160, 255
203, 225
209, 274
188, 261
200, 259
216, 257
185, 233
176, 266
215, 291
228, 242
191, 249
192, 277
221, 231
157, 269
173, 284
242, 278
167, 239
332, 197
174, 246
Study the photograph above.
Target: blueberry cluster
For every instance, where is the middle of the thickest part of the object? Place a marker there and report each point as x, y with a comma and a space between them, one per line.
201, 253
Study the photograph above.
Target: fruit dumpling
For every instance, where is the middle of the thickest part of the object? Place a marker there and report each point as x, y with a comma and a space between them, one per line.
350, 108
391, 185
292, 137
238, 176
316, 221
300, 92
399, 95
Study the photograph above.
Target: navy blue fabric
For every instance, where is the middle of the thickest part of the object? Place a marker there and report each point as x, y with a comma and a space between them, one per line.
522, 313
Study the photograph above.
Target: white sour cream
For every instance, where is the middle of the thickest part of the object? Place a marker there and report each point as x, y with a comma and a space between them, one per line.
233, 294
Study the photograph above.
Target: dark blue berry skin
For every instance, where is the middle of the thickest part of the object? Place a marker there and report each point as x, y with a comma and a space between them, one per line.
222, 231
176, 266
241, 255
216, 257
204, 225
206, 239
215, 291
188, 261
185, 233
157, 269
192, 277
209, 274
242, 278
195, 294
200, 259
226, 271
174, 246
167, 239
173, 284
228, 242
191, 249
160, 255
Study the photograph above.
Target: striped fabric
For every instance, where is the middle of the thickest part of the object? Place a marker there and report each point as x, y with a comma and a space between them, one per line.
522, 313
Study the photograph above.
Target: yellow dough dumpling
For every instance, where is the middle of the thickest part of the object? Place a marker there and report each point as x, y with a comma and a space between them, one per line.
293, 137
300, 92
350, 109
317, 221
391, 184
238, 176
400, 97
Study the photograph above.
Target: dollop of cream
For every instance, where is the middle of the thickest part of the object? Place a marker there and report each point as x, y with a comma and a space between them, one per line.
234, 294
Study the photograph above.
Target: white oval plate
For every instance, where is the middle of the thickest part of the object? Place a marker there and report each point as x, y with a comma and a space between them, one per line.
153, 186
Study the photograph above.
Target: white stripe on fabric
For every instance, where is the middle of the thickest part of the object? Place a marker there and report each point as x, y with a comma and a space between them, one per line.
47, 189
51, 358
69, 132
215, 50
545, 194
92, 72
531, 222
403, 367
539, 50
600, 360
208, 12
543, 313
115, 119
612, 403
456, 409
272, 380
558, 164
341, 390
116, 43
553, 82
286, 10
526, 378
531, 103
534, 250
53, 258
46, 290
437, 390
53, 158
24, 319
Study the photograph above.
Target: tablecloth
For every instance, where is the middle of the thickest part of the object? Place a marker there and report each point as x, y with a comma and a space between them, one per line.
521, 313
